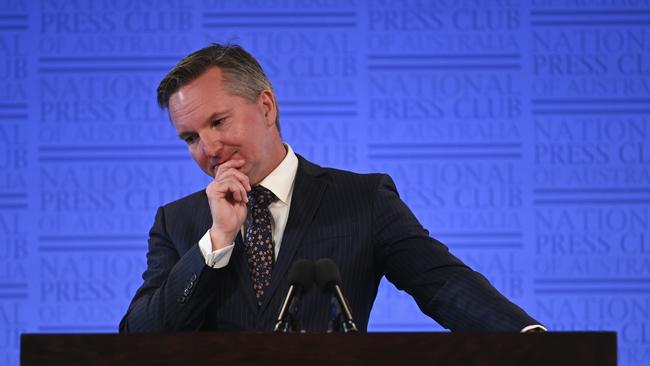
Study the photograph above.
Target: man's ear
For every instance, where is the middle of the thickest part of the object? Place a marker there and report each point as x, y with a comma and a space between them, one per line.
269, 106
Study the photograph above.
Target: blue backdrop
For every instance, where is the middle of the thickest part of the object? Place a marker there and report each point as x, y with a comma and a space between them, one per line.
517, 131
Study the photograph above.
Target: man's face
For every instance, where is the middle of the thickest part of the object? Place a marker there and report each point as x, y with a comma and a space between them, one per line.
219, 126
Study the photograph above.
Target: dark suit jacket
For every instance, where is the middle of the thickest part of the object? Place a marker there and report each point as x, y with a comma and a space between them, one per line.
357, 220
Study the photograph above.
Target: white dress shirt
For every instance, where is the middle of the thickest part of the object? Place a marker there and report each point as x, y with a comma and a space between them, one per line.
280, 182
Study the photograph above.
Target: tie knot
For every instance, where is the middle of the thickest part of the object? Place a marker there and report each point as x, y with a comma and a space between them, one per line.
260, 197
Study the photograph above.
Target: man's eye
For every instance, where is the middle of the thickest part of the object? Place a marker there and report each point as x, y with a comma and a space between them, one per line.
190, 139
217, 122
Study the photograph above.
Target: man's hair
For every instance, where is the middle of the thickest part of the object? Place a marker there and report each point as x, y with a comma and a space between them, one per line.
243, 75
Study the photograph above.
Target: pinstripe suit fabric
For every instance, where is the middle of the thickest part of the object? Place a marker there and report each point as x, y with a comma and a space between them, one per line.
357, 220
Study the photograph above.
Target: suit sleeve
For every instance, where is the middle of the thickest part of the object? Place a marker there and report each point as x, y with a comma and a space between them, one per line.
176, 289
444, 288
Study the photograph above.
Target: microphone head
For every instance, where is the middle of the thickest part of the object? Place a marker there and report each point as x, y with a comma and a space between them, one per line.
327, 273
302, 273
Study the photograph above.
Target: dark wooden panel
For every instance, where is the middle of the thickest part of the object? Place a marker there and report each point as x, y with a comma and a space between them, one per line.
485, 349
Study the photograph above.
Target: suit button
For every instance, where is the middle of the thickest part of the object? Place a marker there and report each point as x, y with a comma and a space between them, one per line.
193, 278
181, 299
186, 292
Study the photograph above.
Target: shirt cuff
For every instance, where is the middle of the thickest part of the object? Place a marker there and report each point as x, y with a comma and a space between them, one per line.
215, 259
535, 327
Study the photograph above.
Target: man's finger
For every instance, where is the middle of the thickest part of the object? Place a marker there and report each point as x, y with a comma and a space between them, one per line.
243, 178
234, 163
230, 187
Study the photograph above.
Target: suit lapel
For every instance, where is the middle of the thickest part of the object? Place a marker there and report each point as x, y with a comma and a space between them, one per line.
238, 259
308, 191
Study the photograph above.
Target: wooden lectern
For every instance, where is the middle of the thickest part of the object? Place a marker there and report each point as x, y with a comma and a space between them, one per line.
461, 349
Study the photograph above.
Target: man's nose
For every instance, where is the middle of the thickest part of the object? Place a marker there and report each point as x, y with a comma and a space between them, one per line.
210, 145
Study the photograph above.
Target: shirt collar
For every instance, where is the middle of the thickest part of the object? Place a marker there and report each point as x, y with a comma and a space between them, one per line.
280, 180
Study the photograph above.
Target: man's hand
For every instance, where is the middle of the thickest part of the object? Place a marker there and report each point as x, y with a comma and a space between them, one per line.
227, 198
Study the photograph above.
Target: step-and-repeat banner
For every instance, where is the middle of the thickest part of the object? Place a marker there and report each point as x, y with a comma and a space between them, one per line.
517, 131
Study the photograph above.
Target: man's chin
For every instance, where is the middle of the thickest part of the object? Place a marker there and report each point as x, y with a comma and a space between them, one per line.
213, 172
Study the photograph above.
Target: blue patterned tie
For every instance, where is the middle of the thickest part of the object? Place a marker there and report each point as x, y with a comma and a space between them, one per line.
259, 240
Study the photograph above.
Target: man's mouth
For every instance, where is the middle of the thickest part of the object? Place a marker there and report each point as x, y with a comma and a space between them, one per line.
222, 161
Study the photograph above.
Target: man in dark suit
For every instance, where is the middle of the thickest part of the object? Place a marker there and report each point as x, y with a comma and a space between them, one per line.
218, 259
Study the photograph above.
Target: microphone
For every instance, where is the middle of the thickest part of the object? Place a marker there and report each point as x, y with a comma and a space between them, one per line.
328, 278
301, 276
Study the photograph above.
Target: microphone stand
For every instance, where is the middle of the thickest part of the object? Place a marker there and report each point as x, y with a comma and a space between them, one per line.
339, 322
288, 323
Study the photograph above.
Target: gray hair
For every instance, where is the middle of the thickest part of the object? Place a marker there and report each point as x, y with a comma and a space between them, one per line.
243, 75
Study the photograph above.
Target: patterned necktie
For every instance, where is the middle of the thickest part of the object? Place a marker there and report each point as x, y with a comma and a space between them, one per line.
259, 239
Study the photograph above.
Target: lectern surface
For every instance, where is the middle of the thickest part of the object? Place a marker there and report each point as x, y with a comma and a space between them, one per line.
485, 349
